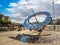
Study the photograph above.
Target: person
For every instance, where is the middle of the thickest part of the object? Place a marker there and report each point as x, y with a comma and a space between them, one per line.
54, 27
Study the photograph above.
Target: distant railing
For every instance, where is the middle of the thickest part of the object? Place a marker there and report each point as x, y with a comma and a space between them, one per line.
50, 28
8, 28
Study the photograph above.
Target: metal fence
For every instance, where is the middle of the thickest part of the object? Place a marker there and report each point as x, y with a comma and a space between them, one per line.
51, 28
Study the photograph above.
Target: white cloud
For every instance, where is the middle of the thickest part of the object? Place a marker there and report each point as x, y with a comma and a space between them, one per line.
16, 15
22, 9
55, 1
13, 5
58, 2
13, 20
10, 9
40, 19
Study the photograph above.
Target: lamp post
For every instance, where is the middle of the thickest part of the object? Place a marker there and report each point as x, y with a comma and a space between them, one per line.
54, 27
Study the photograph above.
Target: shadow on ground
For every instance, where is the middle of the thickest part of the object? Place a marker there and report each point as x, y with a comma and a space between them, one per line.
34, 39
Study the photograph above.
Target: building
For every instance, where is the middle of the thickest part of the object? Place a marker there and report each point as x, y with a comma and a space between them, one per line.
1, 18
4, 19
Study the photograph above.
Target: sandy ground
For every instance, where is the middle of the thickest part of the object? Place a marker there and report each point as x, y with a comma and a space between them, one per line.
6, 40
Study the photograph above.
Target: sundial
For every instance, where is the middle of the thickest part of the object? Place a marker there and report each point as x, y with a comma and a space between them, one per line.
36, 22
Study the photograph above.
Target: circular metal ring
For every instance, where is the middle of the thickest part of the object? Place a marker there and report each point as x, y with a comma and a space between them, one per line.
47, 20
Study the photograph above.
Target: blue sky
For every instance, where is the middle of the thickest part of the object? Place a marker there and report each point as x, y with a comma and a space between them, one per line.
4, 4
19, 10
